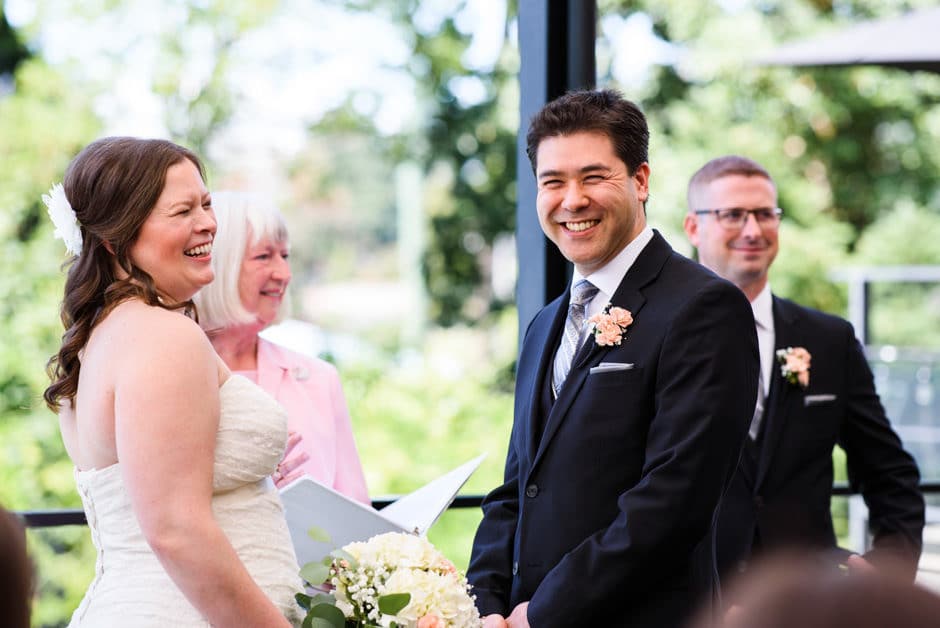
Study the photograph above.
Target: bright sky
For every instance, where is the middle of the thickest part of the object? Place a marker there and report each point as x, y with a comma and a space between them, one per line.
635, 47
289, 72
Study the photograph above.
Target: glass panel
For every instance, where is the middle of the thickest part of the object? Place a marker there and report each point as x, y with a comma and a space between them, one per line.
907, 381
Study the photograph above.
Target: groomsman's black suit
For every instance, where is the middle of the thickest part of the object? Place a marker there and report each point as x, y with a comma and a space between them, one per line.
781, 493
606, 514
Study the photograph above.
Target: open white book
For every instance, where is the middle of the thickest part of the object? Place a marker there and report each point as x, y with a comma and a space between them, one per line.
308, 504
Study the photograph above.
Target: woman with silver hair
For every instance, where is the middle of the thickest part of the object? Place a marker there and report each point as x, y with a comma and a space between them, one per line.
252, 272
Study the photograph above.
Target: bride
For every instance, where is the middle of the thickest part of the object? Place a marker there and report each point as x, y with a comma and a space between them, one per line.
172, 453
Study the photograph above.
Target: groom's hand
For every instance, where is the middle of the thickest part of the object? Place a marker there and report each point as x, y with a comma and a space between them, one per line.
494, 621
518, 618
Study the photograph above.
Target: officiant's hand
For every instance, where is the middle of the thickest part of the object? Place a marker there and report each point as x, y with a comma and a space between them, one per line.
518, 618
289, 469
494, 621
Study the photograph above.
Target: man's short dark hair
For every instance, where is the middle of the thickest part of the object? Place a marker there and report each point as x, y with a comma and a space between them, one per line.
599, 111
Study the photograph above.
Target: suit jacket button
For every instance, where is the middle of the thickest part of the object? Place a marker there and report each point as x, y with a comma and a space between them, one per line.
758, 502
531, 490
515, 568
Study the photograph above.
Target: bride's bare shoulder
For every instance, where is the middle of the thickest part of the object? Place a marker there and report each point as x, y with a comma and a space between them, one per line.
134, 324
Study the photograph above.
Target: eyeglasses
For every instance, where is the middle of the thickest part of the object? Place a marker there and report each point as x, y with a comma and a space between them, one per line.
736, 217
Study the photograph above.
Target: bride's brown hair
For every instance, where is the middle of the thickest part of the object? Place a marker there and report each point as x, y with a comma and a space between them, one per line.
112, 185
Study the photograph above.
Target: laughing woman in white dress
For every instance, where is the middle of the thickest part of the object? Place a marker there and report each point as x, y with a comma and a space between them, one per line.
173, 454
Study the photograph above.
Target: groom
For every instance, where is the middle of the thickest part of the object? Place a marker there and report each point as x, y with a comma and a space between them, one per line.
623, 441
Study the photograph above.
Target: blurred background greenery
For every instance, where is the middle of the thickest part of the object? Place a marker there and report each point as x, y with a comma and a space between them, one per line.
386, 130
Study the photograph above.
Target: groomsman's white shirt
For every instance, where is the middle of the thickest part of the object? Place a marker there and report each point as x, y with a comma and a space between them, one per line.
763, 306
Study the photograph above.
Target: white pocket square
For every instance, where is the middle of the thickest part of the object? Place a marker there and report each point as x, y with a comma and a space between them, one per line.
812, 400
606, 367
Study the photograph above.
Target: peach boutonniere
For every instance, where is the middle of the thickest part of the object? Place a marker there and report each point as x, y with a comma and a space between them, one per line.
610, 325
794, 365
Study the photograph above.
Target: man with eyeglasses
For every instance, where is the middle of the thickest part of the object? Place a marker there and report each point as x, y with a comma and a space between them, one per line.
816, 391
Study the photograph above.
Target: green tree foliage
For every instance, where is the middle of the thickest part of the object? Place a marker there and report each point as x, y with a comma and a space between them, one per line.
43, 123
45, 119
343, 165
467, 146
906, 314
853, 150
196, 111
12, 50
847, 146
414, 422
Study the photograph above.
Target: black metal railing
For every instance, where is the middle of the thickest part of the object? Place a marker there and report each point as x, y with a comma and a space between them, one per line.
69, 517
75, 517
842, 489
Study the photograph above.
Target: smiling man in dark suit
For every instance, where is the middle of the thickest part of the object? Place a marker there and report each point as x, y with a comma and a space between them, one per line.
817, 391
634, 391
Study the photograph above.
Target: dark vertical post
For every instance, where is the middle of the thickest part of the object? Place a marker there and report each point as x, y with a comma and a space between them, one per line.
859, 304
556, 49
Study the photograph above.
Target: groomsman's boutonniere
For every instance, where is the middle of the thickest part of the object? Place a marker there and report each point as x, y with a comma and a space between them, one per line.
610, 325
794, 365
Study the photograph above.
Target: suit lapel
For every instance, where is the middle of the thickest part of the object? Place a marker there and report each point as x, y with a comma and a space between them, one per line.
784, 398
271, 367
545, 337
629, 296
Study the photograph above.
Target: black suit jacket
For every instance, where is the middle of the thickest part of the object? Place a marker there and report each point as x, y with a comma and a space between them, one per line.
606, 515
784, 495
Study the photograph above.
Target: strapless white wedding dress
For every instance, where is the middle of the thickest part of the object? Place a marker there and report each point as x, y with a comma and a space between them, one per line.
131, 589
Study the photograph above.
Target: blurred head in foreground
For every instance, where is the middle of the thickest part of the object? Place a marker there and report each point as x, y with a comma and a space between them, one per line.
16, 573
799, 592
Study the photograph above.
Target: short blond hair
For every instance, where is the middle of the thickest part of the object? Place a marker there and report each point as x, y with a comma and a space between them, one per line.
243, 218
724, 166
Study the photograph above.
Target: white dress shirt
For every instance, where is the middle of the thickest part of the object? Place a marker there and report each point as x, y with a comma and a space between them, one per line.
763, 307
608, 277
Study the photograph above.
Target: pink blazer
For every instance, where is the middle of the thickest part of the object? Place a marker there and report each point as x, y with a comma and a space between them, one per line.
310, 391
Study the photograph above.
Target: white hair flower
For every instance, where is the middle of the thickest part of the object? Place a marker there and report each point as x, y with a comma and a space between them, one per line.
63, 217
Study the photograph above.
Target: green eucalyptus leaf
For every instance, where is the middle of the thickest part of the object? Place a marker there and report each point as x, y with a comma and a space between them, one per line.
322, 598
319, 534
304, 600
332, 616
392, 603
315, 573
319, 622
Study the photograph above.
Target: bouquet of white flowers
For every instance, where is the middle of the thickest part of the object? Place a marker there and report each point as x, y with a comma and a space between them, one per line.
393, 580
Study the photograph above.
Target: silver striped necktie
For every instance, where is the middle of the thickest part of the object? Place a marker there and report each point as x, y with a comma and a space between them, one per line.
759, 408
581, 295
